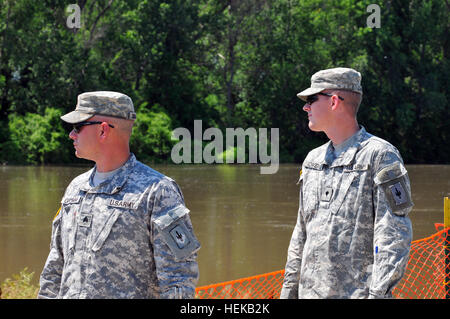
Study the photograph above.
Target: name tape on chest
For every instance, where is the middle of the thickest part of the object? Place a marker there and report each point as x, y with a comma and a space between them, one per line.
122, 204
71, 200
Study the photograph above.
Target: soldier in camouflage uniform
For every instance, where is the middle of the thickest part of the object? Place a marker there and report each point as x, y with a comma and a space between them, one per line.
353, 234
123, 230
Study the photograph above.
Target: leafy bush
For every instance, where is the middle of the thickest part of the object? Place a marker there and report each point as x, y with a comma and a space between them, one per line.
19, 287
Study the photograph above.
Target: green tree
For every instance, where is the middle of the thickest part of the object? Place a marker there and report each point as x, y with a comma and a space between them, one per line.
406, 76
152, 135
229, 63
36, 139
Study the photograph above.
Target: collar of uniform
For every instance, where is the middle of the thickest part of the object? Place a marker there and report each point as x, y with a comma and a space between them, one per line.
319, 157
348, 155
113, 184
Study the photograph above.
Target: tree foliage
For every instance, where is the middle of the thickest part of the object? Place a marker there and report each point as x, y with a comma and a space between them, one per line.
230, 63
20, 286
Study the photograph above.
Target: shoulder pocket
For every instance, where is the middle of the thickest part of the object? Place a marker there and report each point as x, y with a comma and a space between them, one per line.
394, 183
176, 233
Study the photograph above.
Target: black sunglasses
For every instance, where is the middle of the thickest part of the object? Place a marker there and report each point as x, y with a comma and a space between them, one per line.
313, 98
77, 127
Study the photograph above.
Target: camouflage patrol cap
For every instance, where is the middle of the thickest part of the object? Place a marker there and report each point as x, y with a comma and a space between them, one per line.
101, 103
337, 78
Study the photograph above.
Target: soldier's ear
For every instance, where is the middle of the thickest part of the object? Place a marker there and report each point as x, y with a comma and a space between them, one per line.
105, 130
335, 102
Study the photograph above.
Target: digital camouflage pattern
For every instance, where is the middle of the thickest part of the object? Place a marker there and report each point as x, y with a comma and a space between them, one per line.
101, 103
129, 237
336, 78
352, 237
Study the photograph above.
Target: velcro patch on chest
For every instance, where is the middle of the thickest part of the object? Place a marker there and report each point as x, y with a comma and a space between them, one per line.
85, 220
327, 193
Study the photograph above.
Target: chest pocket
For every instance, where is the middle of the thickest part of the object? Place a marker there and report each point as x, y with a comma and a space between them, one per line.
100, 239
311, 176
351, 186
70, 207
107, 218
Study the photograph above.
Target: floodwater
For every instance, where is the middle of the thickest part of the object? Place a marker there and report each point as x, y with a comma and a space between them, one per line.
243, 219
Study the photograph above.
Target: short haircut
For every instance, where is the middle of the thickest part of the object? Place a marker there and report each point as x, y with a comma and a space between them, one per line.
352, 99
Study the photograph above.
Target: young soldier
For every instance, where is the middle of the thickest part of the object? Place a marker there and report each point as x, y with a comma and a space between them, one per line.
353, 235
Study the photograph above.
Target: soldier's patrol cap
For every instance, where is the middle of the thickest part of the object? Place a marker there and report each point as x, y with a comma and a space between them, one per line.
336, 78
105, 103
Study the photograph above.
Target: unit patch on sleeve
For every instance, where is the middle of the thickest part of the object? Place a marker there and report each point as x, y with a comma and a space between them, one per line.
179, 236
393, 182
398, 193
176, 234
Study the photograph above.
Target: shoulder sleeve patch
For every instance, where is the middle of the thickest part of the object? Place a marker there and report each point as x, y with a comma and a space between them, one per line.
176, 233
394, 183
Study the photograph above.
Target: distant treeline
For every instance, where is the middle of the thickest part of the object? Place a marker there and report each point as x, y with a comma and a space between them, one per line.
229, 63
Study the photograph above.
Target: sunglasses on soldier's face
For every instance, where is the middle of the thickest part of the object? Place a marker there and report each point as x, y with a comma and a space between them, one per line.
313, 98
77, 127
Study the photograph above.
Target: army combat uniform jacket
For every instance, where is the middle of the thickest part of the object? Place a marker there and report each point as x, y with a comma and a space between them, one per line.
129, 237
352, 237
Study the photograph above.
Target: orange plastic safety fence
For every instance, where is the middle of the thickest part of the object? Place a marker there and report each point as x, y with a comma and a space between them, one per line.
428, 266
265, 286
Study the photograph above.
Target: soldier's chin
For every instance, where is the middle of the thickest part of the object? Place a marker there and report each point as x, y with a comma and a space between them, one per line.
313, 127
80, 155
